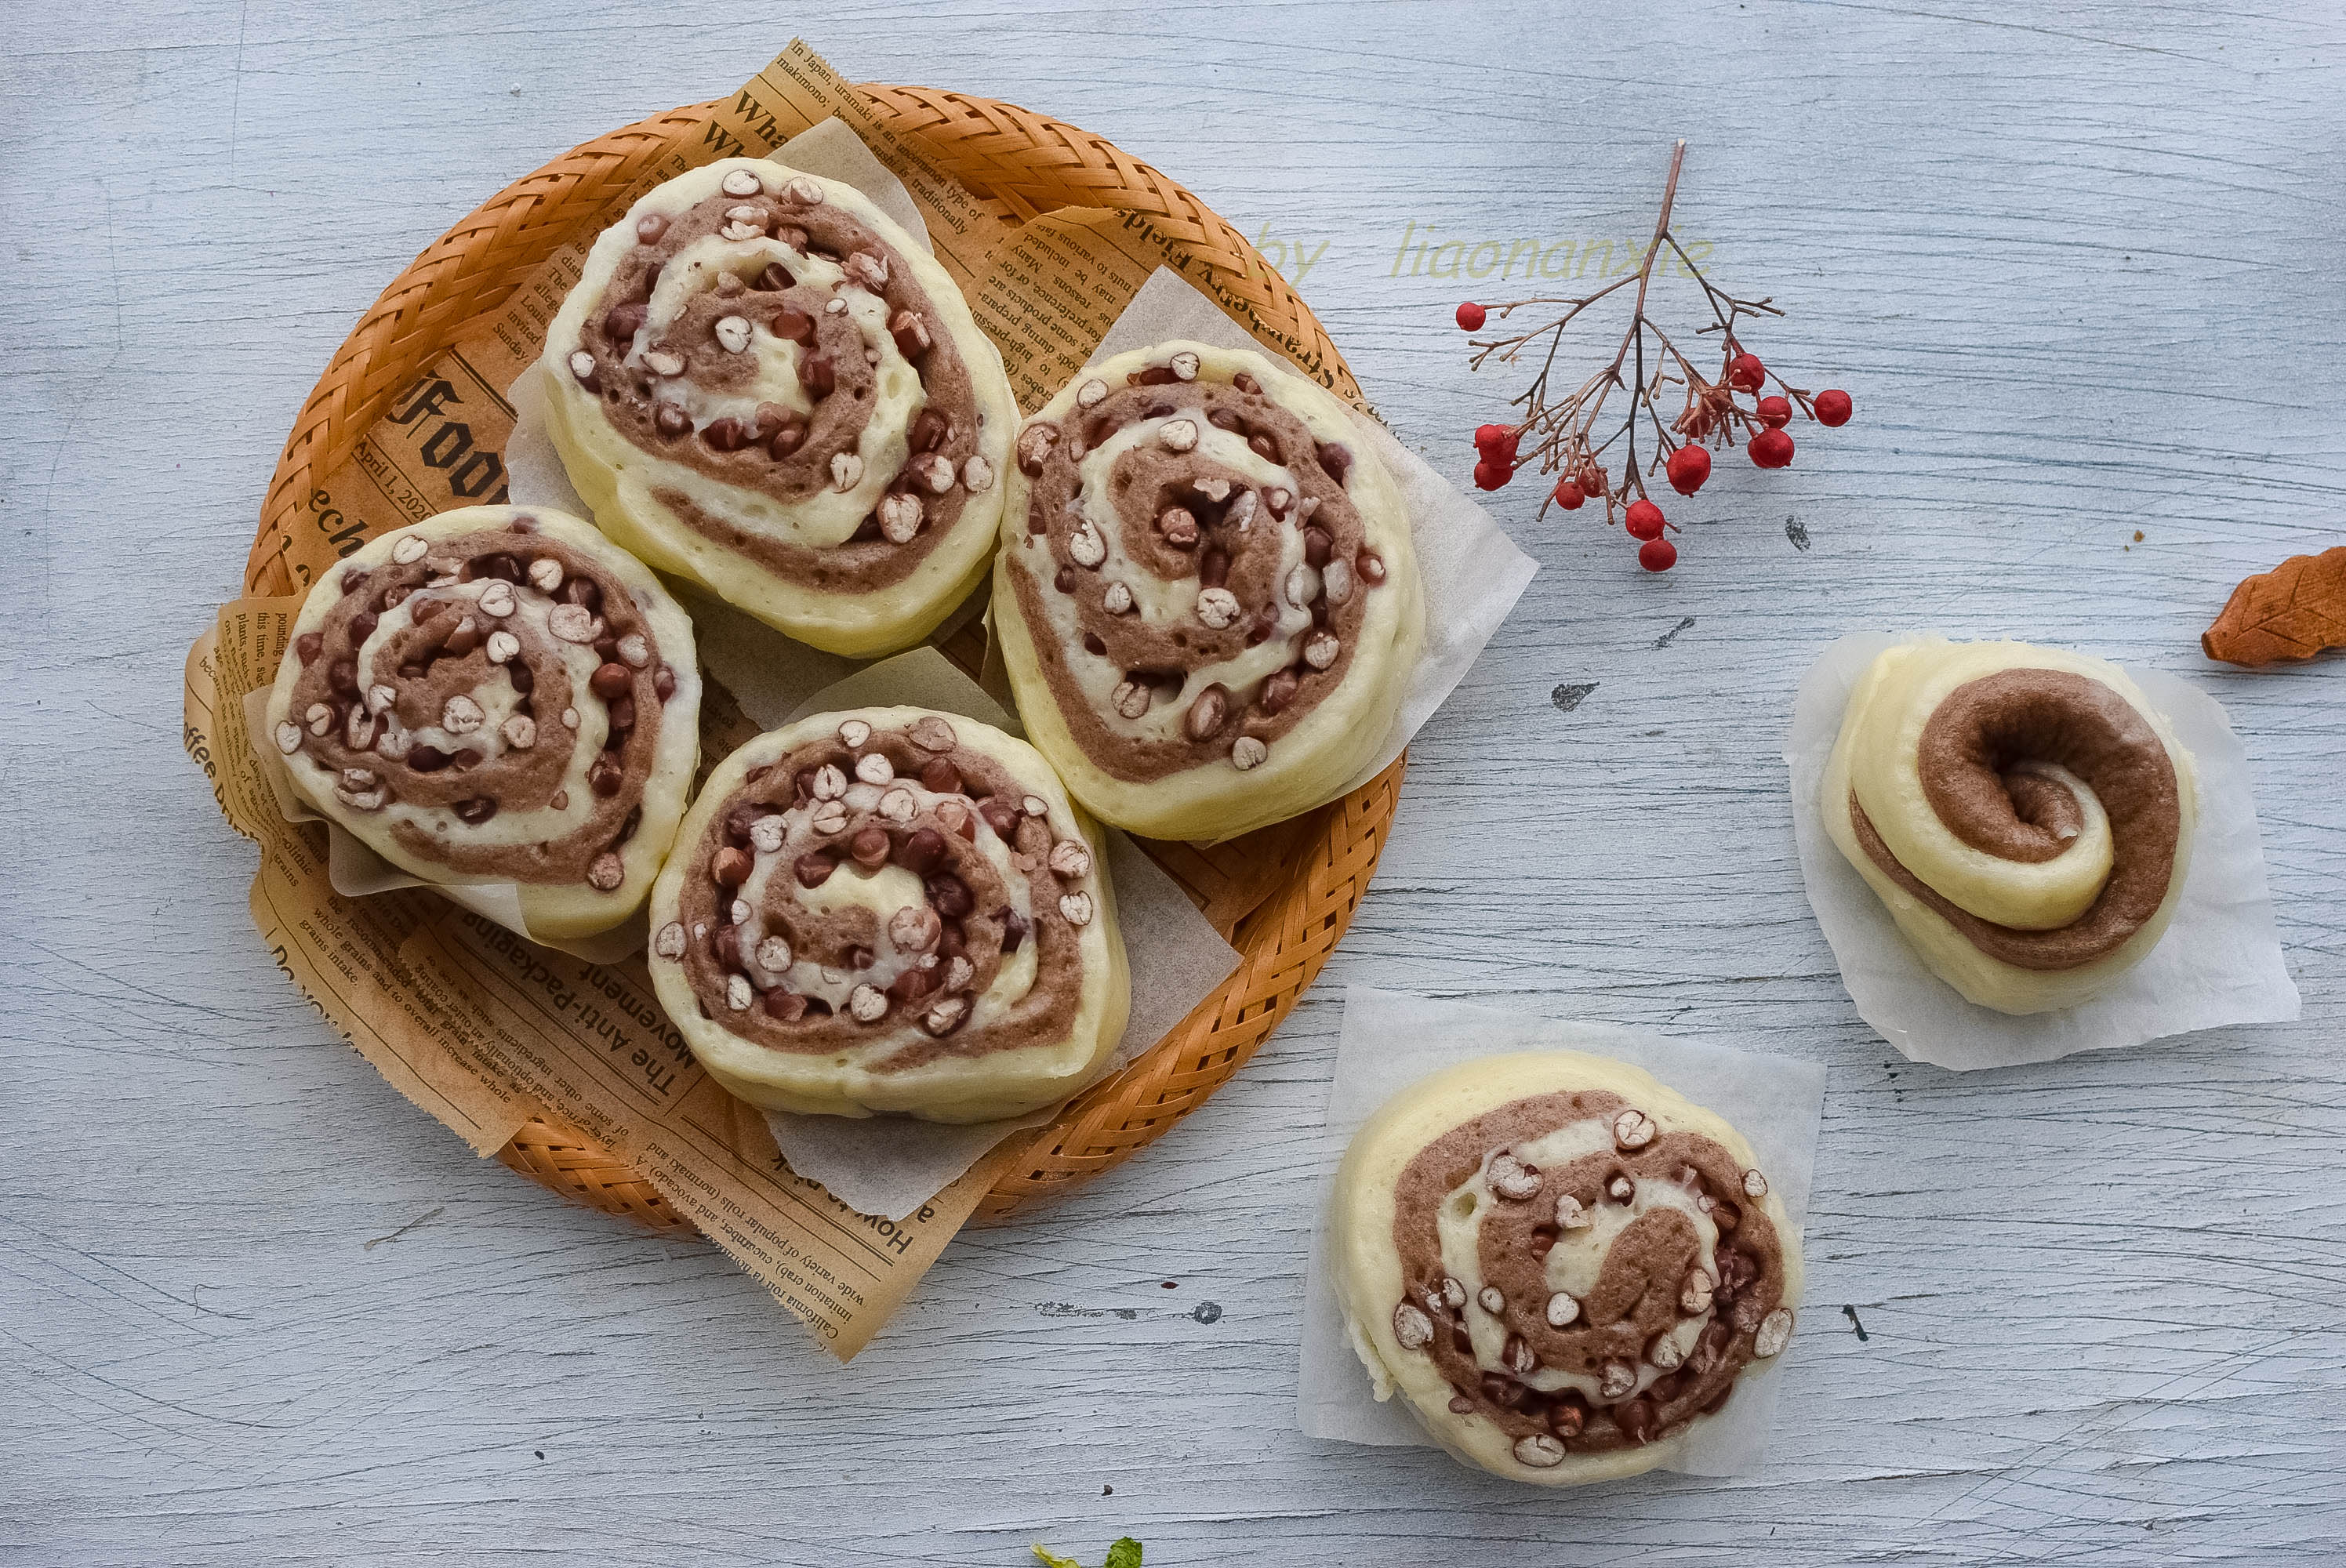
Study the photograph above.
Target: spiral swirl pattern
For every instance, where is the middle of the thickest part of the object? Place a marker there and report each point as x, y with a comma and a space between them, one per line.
497, 695
1209, 606
763, 383
890, 910
1561, 1263
2025, 812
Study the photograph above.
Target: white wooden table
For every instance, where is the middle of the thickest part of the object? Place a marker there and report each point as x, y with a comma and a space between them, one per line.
2080, 266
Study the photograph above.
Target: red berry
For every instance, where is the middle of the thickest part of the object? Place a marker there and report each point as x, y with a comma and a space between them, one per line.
1657, 555
1644, 521
1775, 413
1496, 442
1568, 496
1745, 373
1470, 317
1490, 476
1688, 468
1832, 407
1772, 448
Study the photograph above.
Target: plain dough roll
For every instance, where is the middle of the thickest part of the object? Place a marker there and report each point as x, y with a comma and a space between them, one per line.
2024, 813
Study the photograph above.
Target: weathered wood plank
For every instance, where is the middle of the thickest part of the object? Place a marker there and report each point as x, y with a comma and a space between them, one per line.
2079, 267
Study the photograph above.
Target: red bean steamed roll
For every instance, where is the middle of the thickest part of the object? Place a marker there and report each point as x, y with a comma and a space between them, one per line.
497, 695
762, 383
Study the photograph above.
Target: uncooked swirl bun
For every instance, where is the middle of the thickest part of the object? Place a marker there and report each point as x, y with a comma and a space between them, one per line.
2025, 812
1562, 1265
497, 695
762, 383
1209, 606
890, 910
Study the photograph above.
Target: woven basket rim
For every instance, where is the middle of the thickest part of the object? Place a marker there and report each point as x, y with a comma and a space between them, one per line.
1017, 156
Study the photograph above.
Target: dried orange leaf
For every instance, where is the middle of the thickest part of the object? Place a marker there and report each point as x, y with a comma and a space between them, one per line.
2293, 612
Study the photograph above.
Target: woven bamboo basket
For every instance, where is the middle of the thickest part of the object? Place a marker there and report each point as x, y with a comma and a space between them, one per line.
1284, 914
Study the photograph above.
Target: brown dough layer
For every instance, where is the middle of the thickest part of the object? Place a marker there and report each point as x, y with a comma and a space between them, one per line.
426, 675
1146, 481
1966, 755
1636, 1297
867, 562
938, 844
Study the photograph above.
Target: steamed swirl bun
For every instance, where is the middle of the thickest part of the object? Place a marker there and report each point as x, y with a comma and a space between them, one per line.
1207, 600
2024, 813
890, 908
763, 384
497, 694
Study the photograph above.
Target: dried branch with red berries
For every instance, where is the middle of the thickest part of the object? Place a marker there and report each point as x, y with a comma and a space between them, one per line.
1564, 427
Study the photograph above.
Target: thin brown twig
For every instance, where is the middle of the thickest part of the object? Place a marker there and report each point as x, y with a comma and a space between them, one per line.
1562, 434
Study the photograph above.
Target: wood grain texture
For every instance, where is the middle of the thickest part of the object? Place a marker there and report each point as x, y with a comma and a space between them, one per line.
2079, 267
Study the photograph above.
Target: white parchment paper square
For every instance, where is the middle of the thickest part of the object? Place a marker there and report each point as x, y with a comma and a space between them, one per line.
1390, 1041
889, 1166
2219, 962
